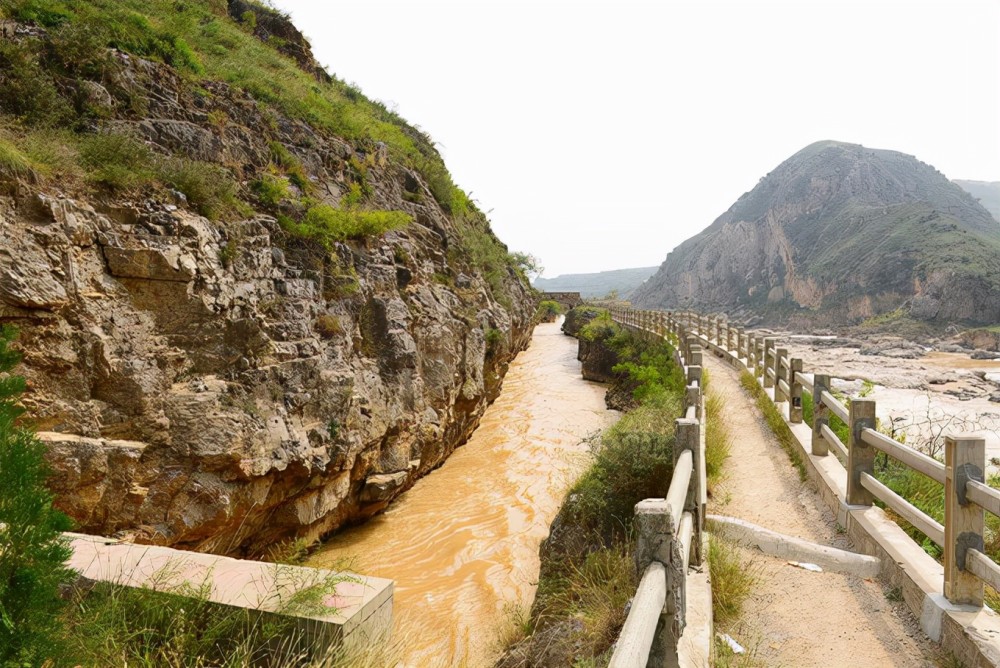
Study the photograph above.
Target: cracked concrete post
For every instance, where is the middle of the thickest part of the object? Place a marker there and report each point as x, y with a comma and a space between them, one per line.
695, 359
768, 361
821, 414
655, 542
780, 373
795, 401
688, 437
860, 456
964, 459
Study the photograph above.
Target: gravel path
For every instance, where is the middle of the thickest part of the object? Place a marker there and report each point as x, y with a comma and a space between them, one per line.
796, 617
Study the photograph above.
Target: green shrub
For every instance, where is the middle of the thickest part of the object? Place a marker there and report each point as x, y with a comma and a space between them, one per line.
600, 328
291, 166
548, 310
117, 161
270, 189
32, 549
27, 89
634, 461
209, 188
327, 225
494, 341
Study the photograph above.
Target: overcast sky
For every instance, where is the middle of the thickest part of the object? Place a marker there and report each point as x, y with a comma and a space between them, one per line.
600, 135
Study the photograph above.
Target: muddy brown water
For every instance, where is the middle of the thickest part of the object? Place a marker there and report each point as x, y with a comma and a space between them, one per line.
462, 544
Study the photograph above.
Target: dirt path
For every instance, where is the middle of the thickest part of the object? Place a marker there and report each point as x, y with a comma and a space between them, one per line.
796, 617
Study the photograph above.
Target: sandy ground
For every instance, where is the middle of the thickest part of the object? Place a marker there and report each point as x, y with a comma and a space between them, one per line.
796, 617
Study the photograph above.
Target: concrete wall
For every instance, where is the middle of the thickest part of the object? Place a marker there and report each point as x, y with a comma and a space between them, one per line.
353, 609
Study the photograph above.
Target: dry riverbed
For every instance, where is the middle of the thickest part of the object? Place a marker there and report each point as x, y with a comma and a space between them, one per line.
923, 392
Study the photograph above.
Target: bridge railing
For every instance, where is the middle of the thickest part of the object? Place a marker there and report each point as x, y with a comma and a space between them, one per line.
966, 495
669, 530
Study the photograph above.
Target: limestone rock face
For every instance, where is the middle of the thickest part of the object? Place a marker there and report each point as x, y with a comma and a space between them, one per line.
836, 234
222, 387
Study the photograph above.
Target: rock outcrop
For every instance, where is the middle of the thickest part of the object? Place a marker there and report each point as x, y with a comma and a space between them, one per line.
224, 385
836, 234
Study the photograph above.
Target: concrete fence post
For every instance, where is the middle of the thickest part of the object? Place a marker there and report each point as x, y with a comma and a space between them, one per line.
759, 368
768, 361
696, 356
964, 521
692, 342
694, 373
860, 456
780, 373
655, 542
821, 414
751, 345
688, 437
795, 401
730, 339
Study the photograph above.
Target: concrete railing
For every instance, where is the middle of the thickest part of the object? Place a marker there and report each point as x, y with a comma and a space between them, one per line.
669, 530
966, 566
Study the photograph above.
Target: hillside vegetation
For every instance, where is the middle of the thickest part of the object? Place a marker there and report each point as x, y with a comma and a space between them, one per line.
836, 234
987, 192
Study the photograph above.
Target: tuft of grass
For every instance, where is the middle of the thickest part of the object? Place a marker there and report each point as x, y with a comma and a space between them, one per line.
734, 578
329, 326
718, 440
594, 592
326, 225
14, 163
172, 623
775, 421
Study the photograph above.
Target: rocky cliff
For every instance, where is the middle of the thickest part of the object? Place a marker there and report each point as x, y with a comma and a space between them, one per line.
239, 325
836, 234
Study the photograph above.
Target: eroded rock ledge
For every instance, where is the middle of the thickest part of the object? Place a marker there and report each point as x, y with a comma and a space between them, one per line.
200, 386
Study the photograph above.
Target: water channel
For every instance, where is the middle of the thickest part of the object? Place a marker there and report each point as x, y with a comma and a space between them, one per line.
462, 544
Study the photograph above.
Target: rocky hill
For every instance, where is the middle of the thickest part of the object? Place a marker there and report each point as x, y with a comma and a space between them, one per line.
987, 192
252, 303
598, 284
836, 234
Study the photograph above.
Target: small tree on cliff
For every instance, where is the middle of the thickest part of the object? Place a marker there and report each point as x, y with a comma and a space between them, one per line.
32, 550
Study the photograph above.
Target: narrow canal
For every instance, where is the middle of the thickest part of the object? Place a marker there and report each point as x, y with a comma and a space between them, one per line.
462, 545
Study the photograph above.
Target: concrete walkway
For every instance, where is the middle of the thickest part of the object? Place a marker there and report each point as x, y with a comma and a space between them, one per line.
797, 617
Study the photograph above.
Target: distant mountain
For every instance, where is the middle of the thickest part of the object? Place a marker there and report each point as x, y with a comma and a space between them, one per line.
598, 284
987, 192
838, 233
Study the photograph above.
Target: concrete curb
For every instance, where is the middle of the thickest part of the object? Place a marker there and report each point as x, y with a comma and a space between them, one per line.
789, 547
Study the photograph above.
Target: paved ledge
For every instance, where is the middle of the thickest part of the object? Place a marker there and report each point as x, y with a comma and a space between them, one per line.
357, 607
694, 647
789, 547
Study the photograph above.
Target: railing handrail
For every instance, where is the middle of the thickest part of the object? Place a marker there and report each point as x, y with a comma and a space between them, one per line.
967, 496
679, 514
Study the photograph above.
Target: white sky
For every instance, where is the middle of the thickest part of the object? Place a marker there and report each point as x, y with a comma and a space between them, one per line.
602, 134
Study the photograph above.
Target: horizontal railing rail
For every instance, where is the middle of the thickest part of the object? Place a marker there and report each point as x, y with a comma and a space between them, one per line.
669, 529
967, 496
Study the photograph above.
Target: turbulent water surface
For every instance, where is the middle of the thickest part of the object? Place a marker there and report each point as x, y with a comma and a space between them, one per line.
462, 545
